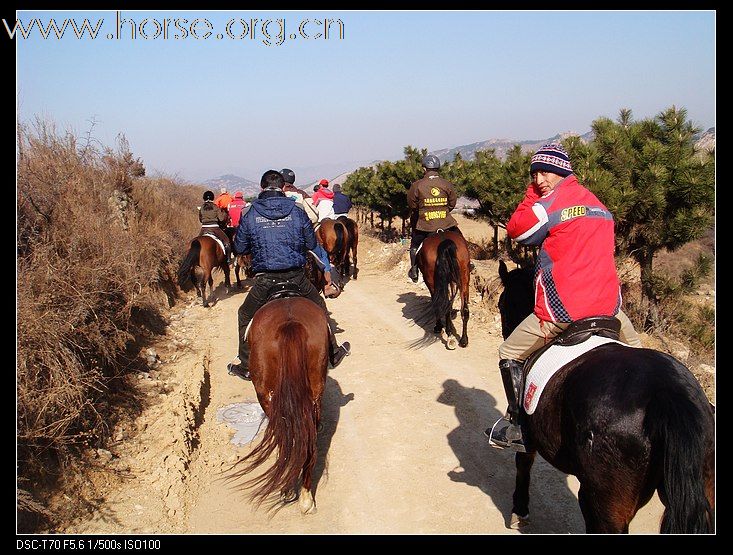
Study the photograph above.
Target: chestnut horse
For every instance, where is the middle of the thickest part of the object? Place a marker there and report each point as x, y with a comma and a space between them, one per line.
445, 265
288, 364
353, 229
334, 237
626, 421
203, 256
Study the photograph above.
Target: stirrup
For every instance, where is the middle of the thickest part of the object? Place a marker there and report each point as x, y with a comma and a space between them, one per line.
331, 290
237, 370
498, 436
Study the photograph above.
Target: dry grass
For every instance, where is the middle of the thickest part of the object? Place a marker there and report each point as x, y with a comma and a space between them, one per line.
95, 242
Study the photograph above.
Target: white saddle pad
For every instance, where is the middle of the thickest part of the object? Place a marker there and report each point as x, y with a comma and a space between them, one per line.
550, 362
215, 238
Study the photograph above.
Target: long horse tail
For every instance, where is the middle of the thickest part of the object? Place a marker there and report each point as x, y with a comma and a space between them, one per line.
191, 260
291, 430
446, 273
340, 246
676, 419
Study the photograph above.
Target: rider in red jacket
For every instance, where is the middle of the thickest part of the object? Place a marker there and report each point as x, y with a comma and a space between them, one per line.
575, 276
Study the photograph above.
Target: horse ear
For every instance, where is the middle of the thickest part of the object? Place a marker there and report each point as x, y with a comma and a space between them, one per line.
503, 271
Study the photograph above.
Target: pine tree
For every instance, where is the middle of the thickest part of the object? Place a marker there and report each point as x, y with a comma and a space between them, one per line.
659, 189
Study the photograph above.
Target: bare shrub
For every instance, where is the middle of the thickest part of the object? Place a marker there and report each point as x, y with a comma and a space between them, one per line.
96, 240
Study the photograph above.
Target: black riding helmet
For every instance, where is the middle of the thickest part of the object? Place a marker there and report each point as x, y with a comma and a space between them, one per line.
431, 162
208, 195
288, 175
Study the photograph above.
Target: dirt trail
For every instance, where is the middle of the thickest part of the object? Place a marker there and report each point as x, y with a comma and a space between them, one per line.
405, 453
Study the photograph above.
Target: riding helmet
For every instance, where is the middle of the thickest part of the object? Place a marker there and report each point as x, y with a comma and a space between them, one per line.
208, 195
288, 175
431, 162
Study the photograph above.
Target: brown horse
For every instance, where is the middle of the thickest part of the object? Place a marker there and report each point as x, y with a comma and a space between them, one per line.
203, 256
334, 237
353, 243
288, 363
445, 265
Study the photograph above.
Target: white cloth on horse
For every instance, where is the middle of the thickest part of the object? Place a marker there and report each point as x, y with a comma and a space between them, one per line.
550, 362
336, 216
325, 209
215, 238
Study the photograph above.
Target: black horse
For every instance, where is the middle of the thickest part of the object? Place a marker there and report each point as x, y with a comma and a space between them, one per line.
625, 421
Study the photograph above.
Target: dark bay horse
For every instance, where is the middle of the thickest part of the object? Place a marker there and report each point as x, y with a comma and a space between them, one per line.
626, 422
288, 364
243, 262
334, 237
203, 256
445, 265
353, 229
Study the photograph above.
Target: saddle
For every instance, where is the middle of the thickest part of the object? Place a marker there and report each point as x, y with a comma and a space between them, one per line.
577, 332
283, 290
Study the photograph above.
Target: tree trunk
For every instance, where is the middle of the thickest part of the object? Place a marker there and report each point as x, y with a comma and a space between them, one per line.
649, 300
496, 240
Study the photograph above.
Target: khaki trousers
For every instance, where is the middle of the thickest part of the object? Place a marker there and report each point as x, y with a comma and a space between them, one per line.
533, 333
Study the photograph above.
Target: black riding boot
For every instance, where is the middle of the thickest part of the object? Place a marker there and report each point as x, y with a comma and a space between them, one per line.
507, 432
412, 274
242, 369
338, 352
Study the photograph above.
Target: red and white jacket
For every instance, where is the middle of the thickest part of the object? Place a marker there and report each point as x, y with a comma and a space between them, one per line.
575, 275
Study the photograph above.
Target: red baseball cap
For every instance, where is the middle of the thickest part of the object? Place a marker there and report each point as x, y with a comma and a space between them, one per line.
323, 182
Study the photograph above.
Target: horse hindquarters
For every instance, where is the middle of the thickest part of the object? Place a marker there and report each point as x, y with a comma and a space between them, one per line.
292, 413
682, 430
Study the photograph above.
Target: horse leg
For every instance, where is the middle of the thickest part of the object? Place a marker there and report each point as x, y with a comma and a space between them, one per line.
227, 281
204, 281
607, 509
520, 505
450, 331
464, 317
355, 271
236, 274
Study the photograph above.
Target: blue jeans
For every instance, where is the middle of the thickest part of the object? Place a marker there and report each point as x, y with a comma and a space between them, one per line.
323, 256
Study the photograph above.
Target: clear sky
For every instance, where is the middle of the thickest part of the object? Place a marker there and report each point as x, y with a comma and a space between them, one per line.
202, 107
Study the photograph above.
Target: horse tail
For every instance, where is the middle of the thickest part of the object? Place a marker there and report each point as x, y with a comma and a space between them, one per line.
446, 272
191, 259
291, 430
338, 228
676, 421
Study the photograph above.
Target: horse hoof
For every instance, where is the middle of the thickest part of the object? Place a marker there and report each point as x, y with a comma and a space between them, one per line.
307, 505
463, 343
517, 522
452, 343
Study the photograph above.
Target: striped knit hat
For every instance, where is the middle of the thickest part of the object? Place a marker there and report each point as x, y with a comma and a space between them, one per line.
553, 158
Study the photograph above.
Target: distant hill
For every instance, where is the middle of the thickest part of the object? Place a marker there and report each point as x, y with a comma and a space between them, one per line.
706, 141
502, 146
233, 183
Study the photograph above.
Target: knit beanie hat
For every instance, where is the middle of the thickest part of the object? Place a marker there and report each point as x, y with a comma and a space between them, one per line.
552, 157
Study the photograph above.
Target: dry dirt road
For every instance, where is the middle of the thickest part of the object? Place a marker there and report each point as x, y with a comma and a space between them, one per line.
402, 449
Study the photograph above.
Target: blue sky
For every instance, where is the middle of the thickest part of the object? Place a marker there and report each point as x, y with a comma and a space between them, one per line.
198, 108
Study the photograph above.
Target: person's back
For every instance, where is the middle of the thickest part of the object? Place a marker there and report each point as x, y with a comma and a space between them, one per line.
323, 200
213, 221
431, 200
235, 208
224, 198
341, 203
277, 233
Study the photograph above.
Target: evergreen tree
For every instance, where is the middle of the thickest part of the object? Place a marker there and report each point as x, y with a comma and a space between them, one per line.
659, 189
